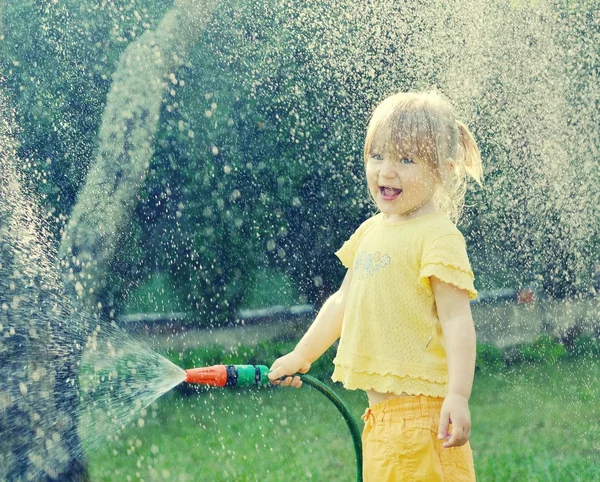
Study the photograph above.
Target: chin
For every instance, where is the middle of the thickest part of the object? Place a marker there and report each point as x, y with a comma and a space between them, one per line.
388, 211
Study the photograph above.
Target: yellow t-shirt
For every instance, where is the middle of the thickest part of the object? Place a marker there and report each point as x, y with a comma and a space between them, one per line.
391, 337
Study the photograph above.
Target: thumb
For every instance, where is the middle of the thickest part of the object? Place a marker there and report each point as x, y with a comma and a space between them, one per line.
444, 424
275, 373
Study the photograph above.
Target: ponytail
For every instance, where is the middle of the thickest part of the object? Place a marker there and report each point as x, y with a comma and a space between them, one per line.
468, 153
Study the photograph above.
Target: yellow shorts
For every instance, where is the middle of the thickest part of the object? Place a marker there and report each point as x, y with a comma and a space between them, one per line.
400, 444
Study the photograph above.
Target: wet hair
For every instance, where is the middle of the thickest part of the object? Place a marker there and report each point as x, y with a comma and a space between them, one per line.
423, 126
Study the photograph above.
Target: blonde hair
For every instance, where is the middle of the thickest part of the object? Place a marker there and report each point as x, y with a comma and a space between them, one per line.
423, 126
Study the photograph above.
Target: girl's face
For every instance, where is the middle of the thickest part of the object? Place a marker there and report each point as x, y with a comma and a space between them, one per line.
403, 187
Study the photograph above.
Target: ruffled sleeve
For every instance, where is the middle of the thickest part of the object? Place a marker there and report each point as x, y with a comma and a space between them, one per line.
446, 259
348, 250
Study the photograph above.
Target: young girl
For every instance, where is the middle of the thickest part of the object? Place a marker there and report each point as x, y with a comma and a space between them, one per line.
402, 311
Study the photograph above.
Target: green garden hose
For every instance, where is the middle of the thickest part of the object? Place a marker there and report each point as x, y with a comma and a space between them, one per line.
256, 375
341, 406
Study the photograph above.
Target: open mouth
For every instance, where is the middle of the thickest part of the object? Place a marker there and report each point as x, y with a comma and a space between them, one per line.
389, 193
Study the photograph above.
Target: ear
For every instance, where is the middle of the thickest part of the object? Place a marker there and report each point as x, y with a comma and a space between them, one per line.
448, 169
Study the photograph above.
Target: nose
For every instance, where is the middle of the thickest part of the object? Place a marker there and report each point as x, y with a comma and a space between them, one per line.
387, 170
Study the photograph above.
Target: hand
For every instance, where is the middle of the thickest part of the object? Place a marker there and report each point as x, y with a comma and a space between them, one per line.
455, 410
289, 364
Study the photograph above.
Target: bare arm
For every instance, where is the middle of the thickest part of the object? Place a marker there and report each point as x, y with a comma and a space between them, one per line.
454, 313
323, 332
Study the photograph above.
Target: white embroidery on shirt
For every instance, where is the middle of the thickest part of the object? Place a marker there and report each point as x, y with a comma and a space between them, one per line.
367, 264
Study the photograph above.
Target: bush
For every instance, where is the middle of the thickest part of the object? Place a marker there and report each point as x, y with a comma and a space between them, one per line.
543, 349
585, 345
271, 288
156, 294
489, 357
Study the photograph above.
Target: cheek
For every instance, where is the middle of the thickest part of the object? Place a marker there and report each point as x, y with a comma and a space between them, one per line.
371, 176
424, 179
372, 184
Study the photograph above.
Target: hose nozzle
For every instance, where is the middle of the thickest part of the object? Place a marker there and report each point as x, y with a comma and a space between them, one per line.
229, 376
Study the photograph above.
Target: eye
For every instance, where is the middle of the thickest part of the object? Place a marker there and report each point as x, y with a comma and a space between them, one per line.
377, 157
406, 160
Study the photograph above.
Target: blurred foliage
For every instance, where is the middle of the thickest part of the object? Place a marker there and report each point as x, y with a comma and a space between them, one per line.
272, 288
156, 294
263, 353
544, 349
490, 358
257, 160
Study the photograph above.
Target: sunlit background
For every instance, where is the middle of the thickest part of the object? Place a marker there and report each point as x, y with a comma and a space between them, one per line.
175, 177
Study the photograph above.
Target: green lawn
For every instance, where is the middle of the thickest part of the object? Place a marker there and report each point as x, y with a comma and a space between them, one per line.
538, 423
531, 423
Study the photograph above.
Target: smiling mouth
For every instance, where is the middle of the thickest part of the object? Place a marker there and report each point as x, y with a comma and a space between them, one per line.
389, 193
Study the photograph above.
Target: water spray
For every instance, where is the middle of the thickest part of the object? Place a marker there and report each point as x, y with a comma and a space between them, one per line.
256, 376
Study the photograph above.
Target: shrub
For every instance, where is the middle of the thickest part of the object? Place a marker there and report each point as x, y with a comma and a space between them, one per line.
543, 349
156, 294
585, 345
489, 357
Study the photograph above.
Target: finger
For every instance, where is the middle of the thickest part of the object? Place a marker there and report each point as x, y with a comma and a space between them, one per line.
275, 373
456, 439
287, 381
296, 382
444, 423
451, 442
458, 442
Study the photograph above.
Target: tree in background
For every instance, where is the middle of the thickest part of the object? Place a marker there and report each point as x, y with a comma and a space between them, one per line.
271, 175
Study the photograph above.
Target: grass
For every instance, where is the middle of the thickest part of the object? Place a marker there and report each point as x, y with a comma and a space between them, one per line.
242, 435
538, 422
534, 422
